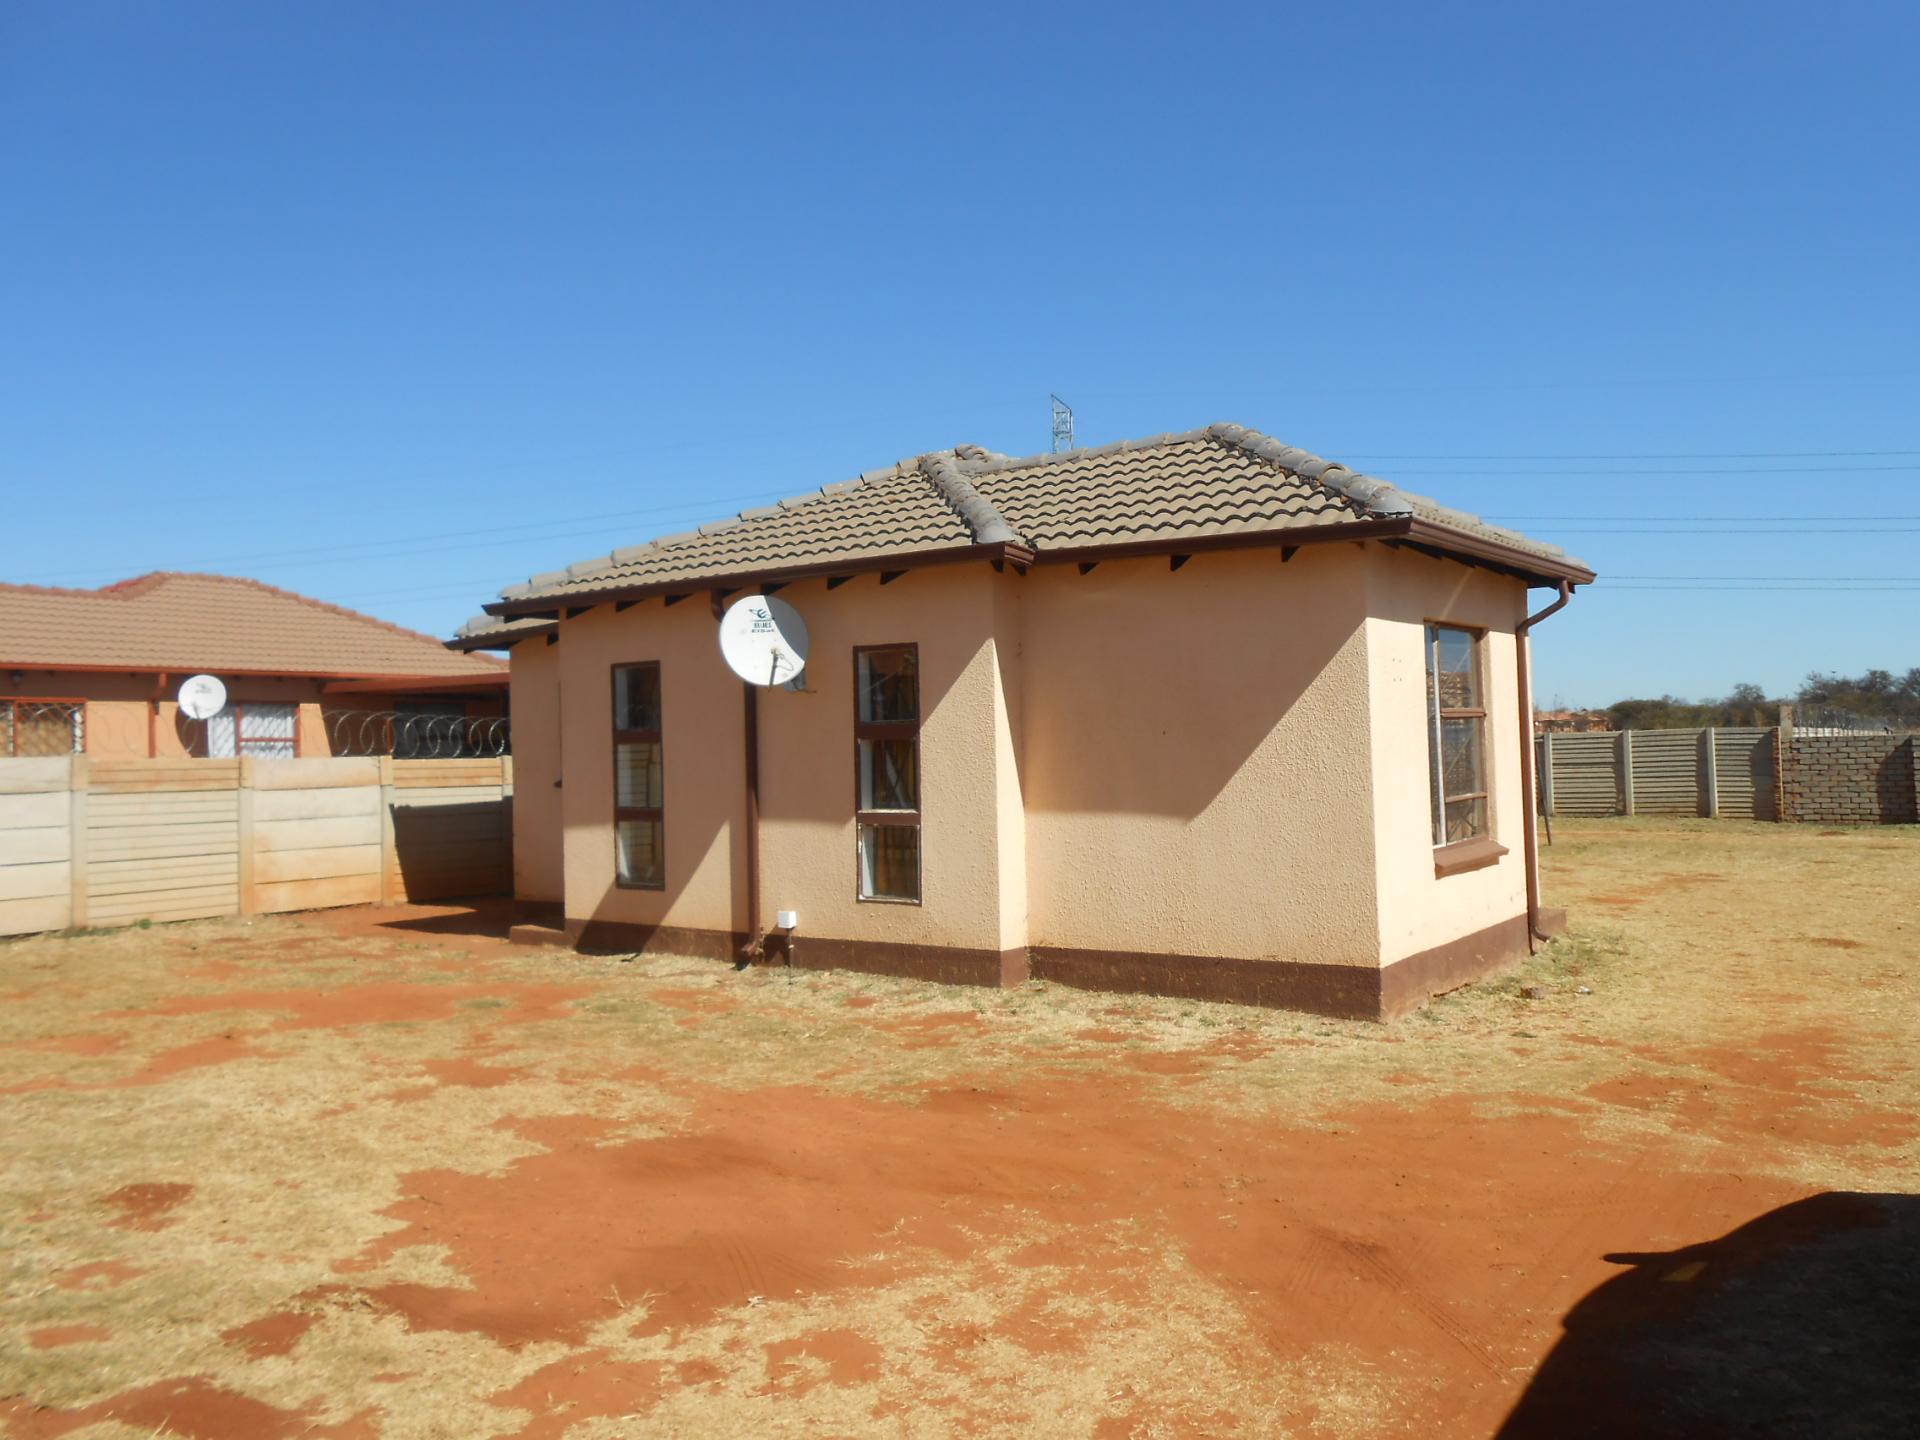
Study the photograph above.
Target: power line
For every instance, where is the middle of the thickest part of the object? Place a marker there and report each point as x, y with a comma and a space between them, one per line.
1785, 534
1696, 470
1670, 455
408, 546
1759, 589
1678, 519
1780, 579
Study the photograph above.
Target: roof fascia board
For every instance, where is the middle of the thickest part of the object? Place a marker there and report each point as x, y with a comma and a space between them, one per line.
1454, 544
740, 580
422, 683
195, 667
1389, 528
1526, 563
503, 641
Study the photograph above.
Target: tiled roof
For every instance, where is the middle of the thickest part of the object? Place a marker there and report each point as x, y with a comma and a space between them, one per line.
885, 512
216, 623
1221, 481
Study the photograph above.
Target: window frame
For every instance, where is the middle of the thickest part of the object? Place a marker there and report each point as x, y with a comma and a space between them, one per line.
79, 705
1474, 851
657, 737
241, 739
914, 818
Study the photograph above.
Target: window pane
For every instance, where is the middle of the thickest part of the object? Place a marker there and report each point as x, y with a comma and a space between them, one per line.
889, 685
32, 728
266, 731
641, 854
636, 697
636, 775
889, 776
1452, 654
1460, 759
1466, 819
889, 862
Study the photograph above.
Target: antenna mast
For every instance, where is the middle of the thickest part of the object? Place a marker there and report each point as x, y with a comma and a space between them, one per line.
1062, 424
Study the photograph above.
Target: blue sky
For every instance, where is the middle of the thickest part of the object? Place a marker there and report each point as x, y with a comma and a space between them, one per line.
397, 304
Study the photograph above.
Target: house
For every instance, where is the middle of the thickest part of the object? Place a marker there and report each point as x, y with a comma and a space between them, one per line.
97, 672
1570, 722
1201, 714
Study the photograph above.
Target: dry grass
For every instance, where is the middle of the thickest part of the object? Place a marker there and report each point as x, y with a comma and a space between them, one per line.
1716, 972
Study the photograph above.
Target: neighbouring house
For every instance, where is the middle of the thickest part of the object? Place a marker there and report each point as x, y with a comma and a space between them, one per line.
1570, 722
96, 672
1201, 715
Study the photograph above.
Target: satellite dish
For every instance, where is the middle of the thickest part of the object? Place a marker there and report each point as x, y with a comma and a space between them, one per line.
202, 697
763, 640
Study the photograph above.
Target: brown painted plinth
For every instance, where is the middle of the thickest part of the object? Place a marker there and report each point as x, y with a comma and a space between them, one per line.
1345, 992
619, 937
1348, 992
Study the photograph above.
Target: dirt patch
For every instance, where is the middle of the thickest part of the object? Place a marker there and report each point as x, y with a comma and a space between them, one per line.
109, 1273
274, 1334
97, 1044
380, 1004
840, 1357
192, 1408
472, 1073
1303, 1227
839, 1204
149, 1205
54, 1337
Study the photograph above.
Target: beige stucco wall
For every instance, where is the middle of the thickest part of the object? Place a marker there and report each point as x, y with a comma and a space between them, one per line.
1417, 909
972, 870
537, 869
1196, 757
1227, 760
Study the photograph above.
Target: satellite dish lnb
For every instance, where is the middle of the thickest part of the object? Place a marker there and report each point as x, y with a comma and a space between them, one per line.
202, 697
763, 640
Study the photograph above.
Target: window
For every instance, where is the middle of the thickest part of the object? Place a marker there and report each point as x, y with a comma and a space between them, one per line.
42, 727
264, 732
639, 819
886, 746
1456, 735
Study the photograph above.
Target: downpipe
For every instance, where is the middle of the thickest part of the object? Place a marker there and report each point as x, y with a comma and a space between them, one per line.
1522, 634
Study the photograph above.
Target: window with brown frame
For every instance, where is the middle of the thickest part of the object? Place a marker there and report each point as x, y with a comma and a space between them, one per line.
886, 728
1456, 734
262, 730
42, 727
639, 798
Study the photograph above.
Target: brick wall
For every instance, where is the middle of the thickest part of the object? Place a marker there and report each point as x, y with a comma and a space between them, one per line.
1863, 779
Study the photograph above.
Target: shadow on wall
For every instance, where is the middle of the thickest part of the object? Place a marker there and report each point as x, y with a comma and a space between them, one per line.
1137, 705
1803, 1322
462, 849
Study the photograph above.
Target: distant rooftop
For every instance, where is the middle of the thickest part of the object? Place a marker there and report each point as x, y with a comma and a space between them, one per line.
179, 622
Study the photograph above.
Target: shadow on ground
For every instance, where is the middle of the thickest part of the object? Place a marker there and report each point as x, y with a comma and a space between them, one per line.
488, 916
1803, 1322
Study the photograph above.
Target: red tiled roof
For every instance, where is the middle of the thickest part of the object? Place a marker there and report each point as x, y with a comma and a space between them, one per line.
174, 621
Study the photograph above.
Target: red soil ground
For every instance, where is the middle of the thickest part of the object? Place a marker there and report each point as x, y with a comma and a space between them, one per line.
1436, 1238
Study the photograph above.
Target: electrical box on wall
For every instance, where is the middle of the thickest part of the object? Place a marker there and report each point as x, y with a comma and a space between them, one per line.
786, 919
